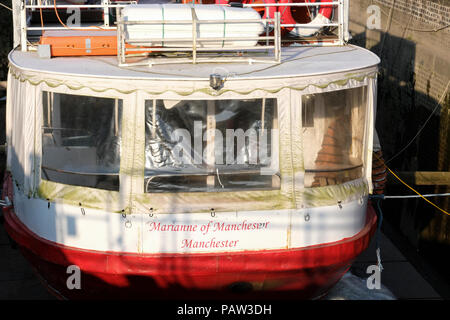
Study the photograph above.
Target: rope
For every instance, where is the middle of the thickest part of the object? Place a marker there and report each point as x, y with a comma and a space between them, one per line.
434, 205
65, 26
380, 214
218, 178
417, 192
377, 236
6, 7
309, 11
424, 124
40, 14
284, 10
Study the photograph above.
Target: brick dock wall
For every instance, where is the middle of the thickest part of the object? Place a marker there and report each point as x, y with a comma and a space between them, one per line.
413, 43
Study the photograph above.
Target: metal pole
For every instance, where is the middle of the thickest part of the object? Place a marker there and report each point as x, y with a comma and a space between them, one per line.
341, 22
80, 6
267, 25
23, 26
291, 4
105, 13
120, 52
277, 37
16, 22
194, 35
346, 20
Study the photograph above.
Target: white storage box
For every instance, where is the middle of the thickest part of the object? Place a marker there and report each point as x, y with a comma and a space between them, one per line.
183, 12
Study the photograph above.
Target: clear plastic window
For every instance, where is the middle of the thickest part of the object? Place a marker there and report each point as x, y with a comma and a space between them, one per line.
81, 140
211, 145
333, 134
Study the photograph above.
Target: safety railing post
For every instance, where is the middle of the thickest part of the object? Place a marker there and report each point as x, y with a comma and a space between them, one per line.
277, 37
105, 13
120, 42
194, 35
346, 20
23, 26
341, 22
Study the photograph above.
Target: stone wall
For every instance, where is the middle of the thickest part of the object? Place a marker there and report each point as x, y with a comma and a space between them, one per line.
433, 13
412, 52
413, 43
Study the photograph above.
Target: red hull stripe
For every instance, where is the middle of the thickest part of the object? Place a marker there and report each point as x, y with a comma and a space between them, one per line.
194, 263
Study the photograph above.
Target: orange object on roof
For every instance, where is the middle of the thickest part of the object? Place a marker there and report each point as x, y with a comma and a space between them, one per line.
80, 43
64, 43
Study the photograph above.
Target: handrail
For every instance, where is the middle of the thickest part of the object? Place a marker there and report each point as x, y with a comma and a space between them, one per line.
291, 4
122, 41
22, 7
81, 6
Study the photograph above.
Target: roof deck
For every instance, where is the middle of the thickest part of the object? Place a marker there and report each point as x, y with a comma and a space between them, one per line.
295, 62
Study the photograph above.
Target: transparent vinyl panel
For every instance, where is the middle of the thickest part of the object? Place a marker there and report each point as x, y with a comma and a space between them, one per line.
81, 138
211, 145
333, 136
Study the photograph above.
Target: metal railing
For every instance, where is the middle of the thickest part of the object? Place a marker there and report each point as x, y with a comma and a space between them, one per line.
26, 6
270, 52
342, 15
128, 48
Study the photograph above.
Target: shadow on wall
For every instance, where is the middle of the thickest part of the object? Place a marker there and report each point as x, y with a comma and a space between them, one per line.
402, 111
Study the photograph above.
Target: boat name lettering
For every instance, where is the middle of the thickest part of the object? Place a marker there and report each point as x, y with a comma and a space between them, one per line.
210, 226
212, 243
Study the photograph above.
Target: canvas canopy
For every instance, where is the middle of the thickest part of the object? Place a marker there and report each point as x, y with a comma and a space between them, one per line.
106, 140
